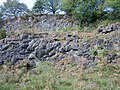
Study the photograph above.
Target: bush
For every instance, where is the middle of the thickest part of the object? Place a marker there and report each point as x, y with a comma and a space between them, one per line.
94, 52
2, 34
114, 13
88, 11
68, 6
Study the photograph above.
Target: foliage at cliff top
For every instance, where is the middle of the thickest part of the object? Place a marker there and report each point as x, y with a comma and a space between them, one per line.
13, 8
42, 6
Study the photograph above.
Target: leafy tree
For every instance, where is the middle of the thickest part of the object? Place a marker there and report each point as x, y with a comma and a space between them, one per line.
87, 10
38, 6
52, 5
46, 5
68, 6
13, 8
84, 10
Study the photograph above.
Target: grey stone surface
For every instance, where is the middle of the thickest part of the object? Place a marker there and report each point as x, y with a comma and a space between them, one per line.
49, 47
109, 28
43, 23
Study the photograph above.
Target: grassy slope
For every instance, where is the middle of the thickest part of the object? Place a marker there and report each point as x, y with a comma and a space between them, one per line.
71, 77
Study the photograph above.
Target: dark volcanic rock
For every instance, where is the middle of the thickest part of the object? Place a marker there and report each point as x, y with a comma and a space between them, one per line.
23, 36
89, 64
52, 53
109, 28
24, 46
50, 47
111, 57
16, 58
40, 53
5, 47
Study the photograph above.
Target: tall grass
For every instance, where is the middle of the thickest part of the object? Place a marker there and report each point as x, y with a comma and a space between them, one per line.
46, 76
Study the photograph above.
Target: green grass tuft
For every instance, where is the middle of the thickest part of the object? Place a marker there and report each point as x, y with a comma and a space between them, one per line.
2, 34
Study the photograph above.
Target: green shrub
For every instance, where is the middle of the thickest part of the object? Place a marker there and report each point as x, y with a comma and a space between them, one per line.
100, 52
85, 11
115, 12
2, 34
94, 52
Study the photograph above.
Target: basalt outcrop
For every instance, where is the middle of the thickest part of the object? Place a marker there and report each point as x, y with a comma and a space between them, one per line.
39, 22
78, 49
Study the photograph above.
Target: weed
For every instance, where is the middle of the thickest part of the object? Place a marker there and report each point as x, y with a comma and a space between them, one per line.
2, 34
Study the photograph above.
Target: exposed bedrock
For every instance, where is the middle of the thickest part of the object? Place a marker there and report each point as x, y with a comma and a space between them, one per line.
59, 47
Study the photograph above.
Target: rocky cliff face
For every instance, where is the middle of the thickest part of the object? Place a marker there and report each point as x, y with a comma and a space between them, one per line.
42, 23
78, 49
69, 48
